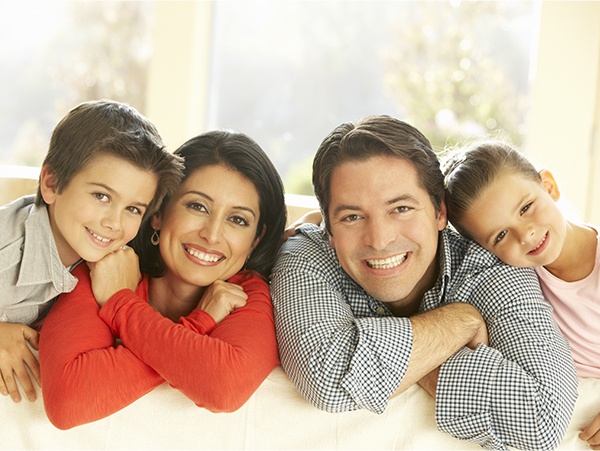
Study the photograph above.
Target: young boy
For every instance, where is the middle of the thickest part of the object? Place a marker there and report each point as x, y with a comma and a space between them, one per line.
106, 169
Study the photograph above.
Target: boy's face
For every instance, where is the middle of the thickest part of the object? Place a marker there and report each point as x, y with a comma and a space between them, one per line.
385, 229
100, 210
517, 219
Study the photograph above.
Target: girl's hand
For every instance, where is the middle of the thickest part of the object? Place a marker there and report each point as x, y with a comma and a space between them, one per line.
116, 271
312, 217
15, 360
221, 298
591, 433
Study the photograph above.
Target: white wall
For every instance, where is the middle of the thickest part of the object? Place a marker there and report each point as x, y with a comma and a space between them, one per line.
563, 123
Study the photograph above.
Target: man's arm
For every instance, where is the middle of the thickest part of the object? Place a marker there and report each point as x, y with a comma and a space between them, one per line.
340, 360
519, 391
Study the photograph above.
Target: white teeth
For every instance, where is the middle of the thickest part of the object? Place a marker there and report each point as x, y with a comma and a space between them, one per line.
387, 263
540, 244
202, 256
100, 238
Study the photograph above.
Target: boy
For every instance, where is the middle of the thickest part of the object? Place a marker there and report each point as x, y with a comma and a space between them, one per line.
106, 169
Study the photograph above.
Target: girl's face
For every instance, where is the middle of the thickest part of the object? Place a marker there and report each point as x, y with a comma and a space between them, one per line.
518, 220
208, 228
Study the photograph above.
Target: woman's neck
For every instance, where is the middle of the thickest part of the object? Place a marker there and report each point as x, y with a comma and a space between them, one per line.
578, 255
173, 299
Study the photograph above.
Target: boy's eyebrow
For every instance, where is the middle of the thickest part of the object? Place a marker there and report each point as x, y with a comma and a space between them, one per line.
401, 198
112, 191
206, 196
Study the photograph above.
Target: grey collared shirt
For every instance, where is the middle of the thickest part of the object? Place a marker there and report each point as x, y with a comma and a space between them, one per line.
31, 273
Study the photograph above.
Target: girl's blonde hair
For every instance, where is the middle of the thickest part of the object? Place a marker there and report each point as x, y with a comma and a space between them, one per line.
470, 169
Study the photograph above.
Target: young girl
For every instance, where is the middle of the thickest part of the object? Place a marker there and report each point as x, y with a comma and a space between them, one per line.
496, 197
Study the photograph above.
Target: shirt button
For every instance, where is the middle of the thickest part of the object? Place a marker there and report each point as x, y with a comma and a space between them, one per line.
4, 318
380, 310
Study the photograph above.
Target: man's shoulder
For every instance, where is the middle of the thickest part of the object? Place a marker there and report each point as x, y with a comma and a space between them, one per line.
310, 245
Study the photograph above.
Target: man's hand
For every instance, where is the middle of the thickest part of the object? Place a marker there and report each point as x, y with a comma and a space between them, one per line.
221, 298
15, 360
116, 271
591, 433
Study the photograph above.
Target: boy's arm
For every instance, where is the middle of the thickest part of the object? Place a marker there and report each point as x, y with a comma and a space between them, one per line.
15, 360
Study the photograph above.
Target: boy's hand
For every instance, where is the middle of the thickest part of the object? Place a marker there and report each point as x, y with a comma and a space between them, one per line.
15, 360
221, 298
591, 433
116, 271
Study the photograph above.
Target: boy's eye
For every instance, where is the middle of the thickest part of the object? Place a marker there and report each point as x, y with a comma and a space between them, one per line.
526, 207
101, 197
500, 237
135, 210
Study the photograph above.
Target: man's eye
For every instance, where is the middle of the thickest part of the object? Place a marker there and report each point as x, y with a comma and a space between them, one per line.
350, 218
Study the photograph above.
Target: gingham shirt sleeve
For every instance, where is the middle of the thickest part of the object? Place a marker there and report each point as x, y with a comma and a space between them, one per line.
337, 359
519, 391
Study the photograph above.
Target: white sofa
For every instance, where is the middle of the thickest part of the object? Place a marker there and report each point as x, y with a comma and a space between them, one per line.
275, 418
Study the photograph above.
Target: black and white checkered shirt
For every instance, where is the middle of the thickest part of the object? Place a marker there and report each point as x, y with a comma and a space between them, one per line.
344, 350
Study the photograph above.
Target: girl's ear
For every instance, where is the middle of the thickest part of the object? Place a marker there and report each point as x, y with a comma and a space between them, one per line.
48, 185
550, 184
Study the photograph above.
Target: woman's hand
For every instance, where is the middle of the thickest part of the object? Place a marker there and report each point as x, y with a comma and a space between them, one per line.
221, 298
116, 271
15, 360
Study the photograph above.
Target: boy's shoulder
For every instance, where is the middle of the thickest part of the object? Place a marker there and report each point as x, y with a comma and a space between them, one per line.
14, 215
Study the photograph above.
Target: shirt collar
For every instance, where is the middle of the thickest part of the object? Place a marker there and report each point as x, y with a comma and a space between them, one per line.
39, 246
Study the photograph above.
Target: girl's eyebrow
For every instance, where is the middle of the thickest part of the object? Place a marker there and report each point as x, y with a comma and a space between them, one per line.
113, 192
207, 197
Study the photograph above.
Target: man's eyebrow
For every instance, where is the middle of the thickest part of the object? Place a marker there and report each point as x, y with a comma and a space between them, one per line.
402, 198
113, 192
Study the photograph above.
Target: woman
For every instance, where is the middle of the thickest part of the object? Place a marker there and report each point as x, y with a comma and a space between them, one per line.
197, 319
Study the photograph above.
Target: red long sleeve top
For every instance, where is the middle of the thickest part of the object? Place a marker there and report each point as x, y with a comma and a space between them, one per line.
87, 374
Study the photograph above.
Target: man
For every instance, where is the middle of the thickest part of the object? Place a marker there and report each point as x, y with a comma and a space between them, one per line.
386, 296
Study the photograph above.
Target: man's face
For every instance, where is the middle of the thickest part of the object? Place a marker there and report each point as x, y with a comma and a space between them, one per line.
385, 229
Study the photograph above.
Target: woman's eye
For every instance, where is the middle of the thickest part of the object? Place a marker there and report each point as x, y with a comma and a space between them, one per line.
500, 237
238, 220
197, 206
101, 197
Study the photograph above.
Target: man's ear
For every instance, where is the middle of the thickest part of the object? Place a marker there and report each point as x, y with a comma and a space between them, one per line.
550, 184
48, 185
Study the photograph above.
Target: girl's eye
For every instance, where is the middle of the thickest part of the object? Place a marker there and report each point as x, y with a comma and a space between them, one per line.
239, 220
101, 197
500, 237
526, 207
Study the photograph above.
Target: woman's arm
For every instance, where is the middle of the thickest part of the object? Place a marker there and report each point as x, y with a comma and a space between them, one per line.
85, 374
218, 366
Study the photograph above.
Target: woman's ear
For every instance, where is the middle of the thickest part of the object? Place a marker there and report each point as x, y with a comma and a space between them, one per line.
48, 185
550, 184
258, 238
156, 221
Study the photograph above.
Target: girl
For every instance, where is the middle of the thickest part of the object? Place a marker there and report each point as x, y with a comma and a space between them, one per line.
496, 197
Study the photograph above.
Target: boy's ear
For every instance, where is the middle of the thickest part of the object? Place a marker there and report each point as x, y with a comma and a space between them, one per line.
550, 184
48, 185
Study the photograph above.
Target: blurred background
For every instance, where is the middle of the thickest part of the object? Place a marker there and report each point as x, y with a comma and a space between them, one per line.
286, 72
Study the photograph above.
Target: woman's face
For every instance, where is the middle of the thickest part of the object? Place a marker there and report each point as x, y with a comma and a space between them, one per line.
208, 228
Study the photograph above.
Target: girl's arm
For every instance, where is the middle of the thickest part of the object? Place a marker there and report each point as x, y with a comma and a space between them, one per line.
218, 366
86, 375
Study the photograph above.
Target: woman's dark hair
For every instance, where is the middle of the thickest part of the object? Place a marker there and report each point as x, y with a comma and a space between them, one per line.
242, 154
